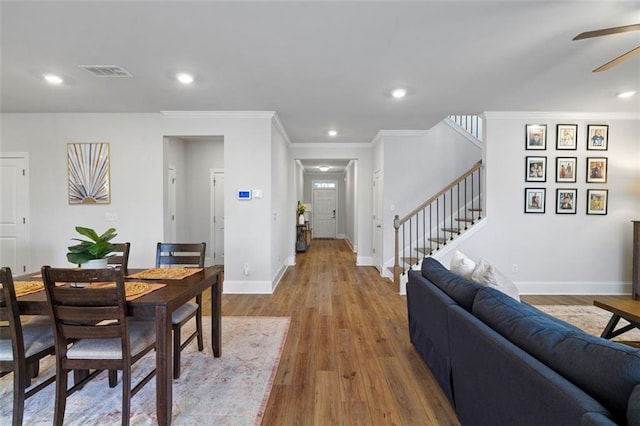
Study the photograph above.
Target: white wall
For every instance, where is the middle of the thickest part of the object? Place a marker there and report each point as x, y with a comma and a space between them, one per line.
561, 254
350, 204
280, 214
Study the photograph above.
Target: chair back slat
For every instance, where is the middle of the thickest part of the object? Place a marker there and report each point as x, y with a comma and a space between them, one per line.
121, 257
96, 332
82, 315
185, 254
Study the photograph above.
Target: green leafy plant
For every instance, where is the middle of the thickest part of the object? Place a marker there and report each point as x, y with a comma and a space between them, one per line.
98, 247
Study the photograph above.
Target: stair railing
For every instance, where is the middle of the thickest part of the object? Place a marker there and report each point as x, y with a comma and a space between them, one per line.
438, 220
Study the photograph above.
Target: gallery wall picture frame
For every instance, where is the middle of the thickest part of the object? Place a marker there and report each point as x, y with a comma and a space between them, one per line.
597, 169
535, 200
566, 169
597, 201
536, 137
88, 173
566, 199
566, 136
535, 169
597, 137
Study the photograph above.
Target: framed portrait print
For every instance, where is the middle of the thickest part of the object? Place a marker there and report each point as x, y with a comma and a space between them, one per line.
536, 136
566, 136
566, 201
88, 173
566, 169
597, 137
597, 170
597, 200
534, 200
536, 169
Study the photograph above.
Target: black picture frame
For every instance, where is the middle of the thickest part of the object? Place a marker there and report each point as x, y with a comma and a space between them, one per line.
535, 169
566, 169
566, 200
597, 137
597, 169
597, 201
567, 136
535, 137
535, 200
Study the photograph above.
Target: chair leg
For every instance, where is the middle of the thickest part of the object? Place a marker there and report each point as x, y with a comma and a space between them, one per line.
19, 386
126, 394
113, 378
61, 395
176, 352
199, 328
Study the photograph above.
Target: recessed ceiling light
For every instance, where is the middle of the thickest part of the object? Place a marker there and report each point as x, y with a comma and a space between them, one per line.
184, 78
323, 168
399, 93
628, 94
53, 79
333, 133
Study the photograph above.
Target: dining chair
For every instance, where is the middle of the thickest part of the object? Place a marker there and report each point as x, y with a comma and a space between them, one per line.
183, 254
22, 346
121, 257
92, 331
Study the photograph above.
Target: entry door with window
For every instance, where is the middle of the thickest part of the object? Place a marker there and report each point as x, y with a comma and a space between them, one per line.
324, 209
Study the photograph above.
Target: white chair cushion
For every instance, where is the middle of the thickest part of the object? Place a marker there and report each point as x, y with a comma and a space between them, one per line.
37, 336
183, 312
141, 335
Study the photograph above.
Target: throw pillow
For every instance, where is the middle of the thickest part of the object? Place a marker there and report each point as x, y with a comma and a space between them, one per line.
461, 264
489, 276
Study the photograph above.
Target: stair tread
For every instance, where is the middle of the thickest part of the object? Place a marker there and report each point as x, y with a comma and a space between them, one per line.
456, 230
461, 219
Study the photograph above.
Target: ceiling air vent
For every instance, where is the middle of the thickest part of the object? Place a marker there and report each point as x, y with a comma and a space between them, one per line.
106, 70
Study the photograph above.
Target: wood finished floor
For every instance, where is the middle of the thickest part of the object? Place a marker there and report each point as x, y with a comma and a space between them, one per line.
347, 359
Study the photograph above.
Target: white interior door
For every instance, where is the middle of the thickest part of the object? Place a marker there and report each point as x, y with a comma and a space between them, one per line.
14, 193
324, 212
217, 219
377, 220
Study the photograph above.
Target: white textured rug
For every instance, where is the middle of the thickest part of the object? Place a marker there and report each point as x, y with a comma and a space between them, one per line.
230, 390
589, 318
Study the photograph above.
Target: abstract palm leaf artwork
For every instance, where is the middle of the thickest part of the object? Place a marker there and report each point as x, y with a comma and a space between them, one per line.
88, 165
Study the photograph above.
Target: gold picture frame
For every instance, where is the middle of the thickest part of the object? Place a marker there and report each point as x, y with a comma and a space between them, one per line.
88, 173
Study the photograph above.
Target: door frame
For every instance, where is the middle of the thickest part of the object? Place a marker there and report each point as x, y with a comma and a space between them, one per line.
378, 221
212, 197
26, 253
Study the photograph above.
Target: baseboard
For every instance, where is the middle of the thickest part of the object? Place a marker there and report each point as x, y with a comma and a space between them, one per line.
247, 287
364, 261
574, 287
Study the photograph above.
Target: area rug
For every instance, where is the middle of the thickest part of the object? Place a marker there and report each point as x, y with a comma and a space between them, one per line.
230, 390
589, 318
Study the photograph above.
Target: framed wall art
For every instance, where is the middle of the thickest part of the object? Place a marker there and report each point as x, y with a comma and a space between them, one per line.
88, 173
597, 170
536, 136
597, 137
566, 136
566, 201
566, 169
597, 200
536, 169
534, 200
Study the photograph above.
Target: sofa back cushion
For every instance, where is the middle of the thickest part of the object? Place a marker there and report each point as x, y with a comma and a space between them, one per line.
606, 370
460, 289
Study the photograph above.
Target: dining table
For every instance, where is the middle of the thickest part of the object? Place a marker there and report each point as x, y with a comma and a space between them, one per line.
158, 304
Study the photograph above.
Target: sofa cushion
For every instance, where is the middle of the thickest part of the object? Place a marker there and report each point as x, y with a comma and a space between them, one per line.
461, 264
460, 289
606, 370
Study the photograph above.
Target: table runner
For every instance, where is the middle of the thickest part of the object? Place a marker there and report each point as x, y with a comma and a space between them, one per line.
165, 273
133, 289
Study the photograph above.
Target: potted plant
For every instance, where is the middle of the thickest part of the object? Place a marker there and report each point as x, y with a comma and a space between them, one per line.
300, 210
94, 253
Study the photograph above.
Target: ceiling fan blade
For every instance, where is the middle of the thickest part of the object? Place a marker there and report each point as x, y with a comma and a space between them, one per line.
617, 60
607, 31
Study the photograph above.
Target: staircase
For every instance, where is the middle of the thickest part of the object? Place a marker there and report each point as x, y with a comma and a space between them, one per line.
437, 221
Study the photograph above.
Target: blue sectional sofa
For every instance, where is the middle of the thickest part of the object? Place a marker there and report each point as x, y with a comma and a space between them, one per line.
504, 362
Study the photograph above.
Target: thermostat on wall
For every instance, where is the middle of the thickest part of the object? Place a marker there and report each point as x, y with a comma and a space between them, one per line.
244, 195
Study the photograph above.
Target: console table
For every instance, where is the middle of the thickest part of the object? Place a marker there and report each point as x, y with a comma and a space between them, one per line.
303, 237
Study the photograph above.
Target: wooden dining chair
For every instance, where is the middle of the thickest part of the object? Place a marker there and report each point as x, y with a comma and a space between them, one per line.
121, 257
22, 346
92, 331
183, 254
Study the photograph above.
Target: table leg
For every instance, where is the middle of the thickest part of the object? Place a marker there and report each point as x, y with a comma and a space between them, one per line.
164, 367
607, 333
216, 317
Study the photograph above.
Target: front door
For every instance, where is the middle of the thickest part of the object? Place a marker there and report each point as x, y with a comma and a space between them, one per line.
14, 193
324, 210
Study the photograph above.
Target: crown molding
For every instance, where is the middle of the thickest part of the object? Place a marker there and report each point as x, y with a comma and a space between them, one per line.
339, 145
560, 115
218, 114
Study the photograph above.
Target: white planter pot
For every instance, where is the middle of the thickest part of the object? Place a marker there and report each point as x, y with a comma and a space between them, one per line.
94, 264
301, 219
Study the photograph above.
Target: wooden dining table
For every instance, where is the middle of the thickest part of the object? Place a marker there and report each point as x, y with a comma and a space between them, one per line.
159, 304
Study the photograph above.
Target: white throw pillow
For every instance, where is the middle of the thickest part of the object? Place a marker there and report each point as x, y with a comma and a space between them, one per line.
461, 264
489, 276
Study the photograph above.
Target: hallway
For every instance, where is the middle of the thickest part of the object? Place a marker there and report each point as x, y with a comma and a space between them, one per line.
347, 359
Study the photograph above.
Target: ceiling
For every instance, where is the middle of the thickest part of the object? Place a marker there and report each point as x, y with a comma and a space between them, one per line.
319, 64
